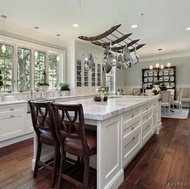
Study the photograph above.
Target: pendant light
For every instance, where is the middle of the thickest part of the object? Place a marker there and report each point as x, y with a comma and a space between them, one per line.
3, 47
36, 51
58, 57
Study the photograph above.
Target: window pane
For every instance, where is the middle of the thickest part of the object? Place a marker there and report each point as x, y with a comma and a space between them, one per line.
52, 68
24, 63
6, 66
39, 69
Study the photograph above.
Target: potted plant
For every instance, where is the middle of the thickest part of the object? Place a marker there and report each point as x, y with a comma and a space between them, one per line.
64, 89
157, 83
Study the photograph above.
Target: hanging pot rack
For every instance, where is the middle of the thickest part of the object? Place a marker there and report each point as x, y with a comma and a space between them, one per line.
109, 38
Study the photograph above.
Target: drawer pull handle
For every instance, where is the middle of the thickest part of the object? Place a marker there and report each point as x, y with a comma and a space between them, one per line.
132, 115
132, 128
11, 116
133, 138
11, 109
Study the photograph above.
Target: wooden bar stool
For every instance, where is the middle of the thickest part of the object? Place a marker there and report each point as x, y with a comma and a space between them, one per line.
74, 139
42, 119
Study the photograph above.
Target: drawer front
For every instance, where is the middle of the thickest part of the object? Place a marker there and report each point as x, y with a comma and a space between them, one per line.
131, 114
131, 125
146, 115
131, 145
11, 109
146, 127
146, 107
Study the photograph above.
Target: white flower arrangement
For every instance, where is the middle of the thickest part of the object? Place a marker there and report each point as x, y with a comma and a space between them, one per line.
156, 90
102, 89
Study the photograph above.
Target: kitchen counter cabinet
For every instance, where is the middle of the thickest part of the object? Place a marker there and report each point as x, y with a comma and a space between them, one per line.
12, 119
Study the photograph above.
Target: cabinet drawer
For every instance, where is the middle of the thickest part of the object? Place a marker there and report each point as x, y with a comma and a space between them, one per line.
146, 127
146, 115
131, 145
131, 125
7, 109
131, 114
146, 107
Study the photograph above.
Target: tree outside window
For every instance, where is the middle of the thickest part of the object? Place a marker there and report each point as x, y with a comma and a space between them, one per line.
39, 69
52, 69
24, 67
6, 67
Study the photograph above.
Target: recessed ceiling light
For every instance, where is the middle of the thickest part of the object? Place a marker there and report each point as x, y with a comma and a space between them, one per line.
188, 28
75, 25
134, 26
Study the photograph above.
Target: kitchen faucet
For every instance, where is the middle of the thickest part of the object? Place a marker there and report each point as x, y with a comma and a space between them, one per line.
124, 88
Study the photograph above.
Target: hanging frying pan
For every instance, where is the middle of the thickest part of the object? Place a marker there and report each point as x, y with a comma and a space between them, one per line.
89, 61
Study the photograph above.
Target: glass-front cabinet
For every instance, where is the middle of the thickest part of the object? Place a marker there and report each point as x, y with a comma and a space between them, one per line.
87, 80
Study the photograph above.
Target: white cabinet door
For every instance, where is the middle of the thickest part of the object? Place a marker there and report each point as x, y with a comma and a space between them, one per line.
29, 125
12, 121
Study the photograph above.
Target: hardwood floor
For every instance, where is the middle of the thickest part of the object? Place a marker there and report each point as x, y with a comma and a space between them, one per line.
164, 162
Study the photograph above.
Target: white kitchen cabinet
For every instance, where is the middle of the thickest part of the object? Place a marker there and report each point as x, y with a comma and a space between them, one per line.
29, 125
131, 134
12, 119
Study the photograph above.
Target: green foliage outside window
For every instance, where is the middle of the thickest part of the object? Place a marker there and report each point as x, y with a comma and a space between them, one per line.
6, 67
52, 67
24, 62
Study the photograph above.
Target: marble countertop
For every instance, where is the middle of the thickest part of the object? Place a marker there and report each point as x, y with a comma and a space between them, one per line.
114, 106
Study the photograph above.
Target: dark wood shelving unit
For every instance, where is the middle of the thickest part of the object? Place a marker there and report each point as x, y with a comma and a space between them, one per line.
167, 77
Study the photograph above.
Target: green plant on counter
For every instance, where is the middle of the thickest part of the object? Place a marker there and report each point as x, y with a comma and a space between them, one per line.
64, 87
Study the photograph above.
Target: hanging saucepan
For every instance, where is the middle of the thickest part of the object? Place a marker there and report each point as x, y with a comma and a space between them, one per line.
127, 63
134, 57
120, 62
126, 53
89, 61
112, 59
106, 67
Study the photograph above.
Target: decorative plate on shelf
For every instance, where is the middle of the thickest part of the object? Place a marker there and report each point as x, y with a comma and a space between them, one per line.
160, 73
150, 73
172, 84
161, 79
145, 74
166, 85
145, 79
155, 79
171, 72
150, 79
166, 78
172, 78
165, 72
155, 73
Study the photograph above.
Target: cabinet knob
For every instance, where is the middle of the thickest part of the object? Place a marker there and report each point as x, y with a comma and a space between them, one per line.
132, 128
11, 116
11, 109
133, 138
132, 115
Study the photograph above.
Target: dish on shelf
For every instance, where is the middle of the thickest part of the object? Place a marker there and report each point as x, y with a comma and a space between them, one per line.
172, 78
145, 85
171, 72
155, 73
155, 79
145, 79
166, 85
161, 79
145, 74
172, 84
166, 78
160, 73
150, 73
150, 79
165, 72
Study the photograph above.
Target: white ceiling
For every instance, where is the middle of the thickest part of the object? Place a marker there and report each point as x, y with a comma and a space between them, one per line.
163, 24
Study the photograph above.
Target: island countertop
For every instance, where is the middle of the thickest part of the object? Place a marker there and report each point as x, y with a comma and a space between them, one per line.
115, 105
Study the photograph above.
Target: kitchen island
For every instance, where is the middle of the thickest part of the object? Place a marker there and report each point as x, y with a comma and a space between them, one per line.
123, 124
